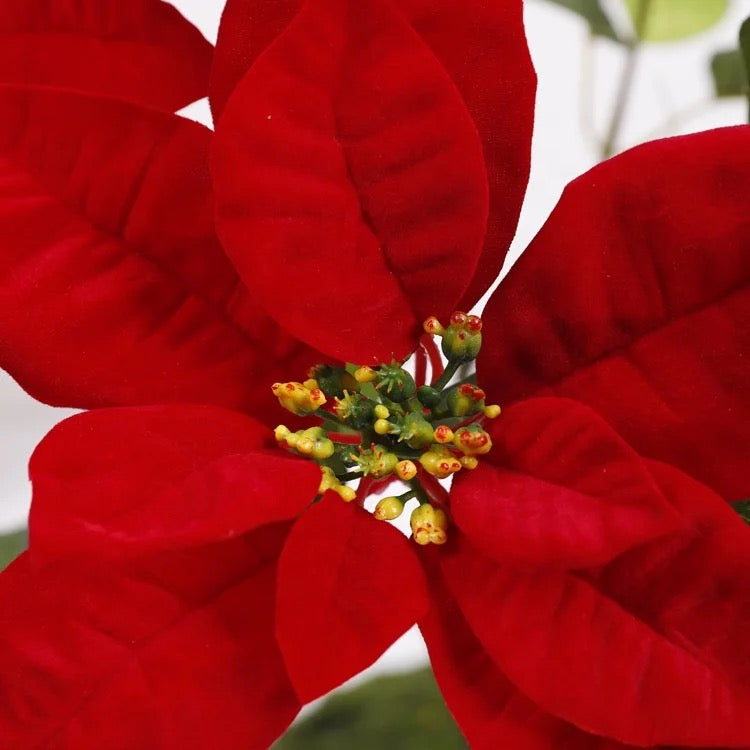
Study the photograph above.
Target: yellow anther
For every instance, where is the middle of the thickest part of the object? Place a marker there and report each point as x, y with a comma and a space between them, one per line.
311, 442
381, 411
298, 398
443, 434
310, 384
439, 462
429, 525
469, 462
432, 325
492, 411
472, 441
388, 508
365, 374
382, 426
329, 481
405, 470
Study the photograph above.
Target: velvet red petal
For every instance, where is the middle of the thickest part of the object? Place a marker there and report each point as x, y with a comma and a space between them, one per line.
348, 586
170, 652
634, 299
491, 712
558, 488
247, 28
123, 481
351, 189
142, 51
482, 47
113, 287
649, 650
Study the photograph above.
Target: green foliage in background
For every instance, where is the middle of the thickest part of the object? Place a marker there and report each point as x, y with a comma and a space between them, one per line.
395, 711
12, 545
728, 71
731, 68
668, 20
592, 12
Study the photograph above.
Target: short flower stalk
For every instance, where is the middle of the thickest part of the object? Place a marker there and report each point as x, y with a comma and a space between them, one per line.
406, 431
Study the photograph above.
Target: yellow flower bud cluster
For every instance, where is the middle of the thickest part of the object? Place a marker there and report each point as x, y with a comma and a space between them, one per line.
429, 525
472, 440
312, 442
439, 462
381, 424
299, 398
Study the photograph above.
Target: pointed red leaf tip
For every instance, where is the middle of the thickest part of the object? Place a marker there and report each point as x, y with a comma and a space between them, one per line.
172, 476
349, 176
113, 287
141, 51
634, 299
559, 488
167, 652
649, 650
481, 46
488, 708
348, 586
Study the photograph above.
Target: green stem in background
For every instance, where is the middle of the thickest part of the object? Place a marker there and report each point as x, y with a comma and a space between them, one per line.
418, 491
626, 80
448, 373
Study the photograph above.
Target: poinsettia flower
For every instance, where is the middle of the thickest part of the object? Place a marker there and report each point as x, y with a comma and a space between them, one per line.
334, 172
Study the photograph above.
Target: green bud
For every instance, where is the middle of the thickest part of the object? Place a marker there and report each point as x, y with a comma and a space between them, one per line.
376, 462
428, 396
333, 381
462, 339
417, 431
355, 409
395, 383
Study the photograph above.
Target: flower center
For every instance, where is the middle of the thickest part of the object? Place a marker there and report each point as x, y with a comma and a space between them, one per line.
379, 425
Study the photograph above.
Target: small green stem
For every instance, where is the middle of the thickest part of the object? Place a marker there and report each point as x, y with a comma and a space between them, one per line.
418, 491
415, 405
626, 81
448, 373
329, 416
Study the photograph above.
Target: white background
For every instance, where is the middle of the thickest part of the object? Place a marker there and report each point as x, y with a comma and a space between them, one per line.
672, 93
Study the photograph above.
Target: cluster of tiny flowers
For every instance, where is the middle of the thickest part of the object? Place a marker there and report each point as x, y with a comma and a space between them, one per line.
380, 424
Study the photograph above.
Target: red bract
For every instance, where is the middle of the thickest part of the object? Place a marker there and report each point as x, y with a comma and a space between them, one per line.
370, 159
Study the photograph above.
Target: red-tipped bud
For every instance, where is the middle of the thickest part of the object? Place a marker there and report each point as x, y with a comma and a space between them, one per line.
458, 318
388, 509
429, 525
433, 326
474, 323
405, 470
443, 434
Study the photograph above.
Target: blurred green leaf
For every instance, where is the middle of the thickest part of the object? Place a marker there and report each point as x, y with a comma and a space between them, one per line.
396, 711
11, 545
668, 20
592, 11
728, 70
745, 47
